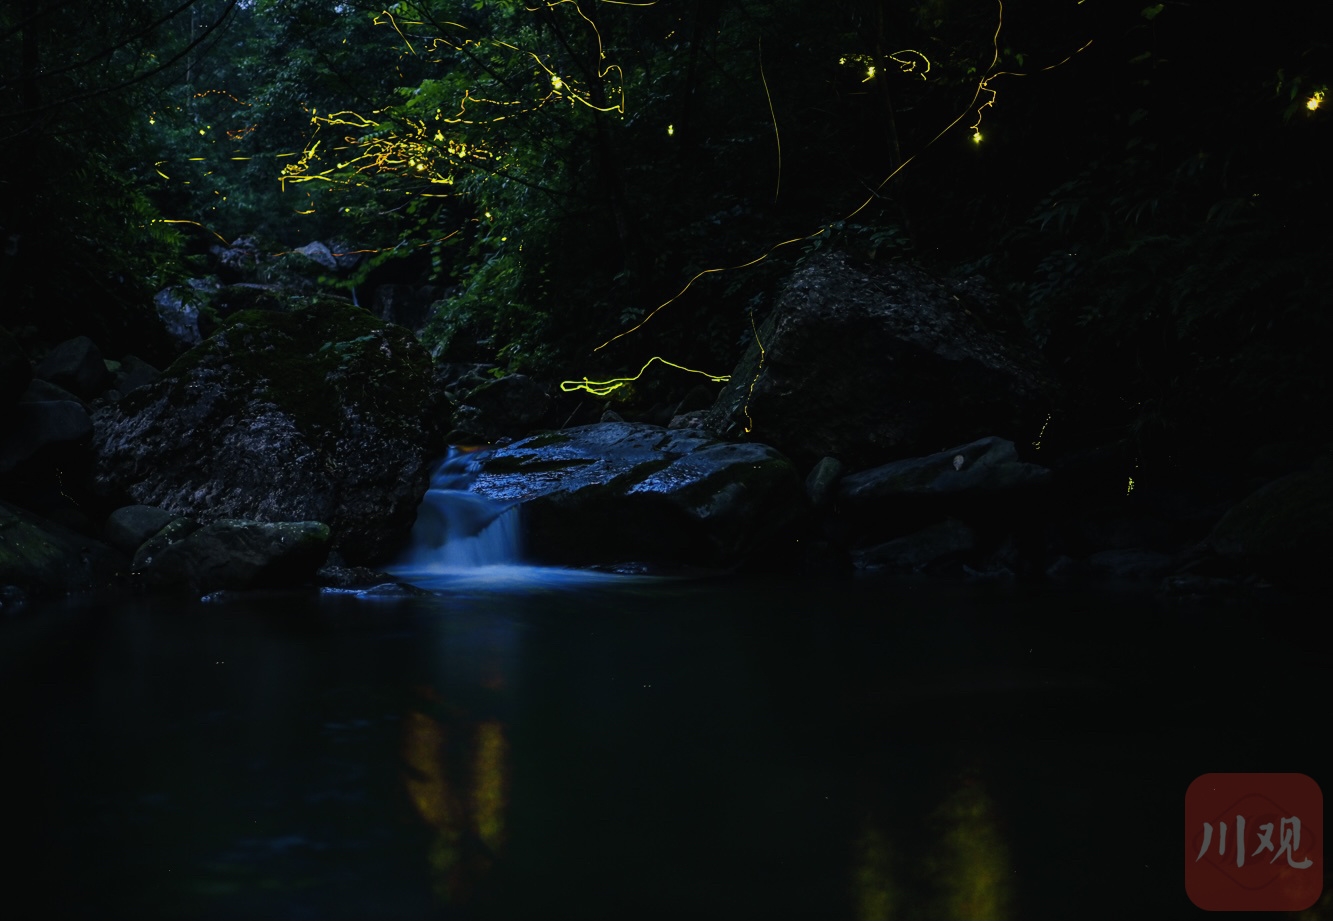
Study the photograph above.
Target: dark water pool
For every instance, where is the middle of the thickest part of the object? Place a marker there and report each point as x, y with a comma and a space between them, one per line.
732, 748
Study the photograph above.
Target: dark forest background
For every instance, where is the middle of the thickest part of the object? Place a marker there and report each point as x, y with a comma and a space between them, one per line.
1147, 183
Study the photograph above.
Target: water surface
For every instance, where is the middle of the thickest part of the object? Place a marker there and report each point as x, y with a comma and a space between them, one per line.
526, 743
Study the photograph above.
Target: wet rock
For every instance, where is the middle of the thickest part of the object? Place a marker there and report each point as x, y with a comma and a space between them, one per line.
618, 491
870, 364
128, 528
235, 555
321, 414
77, 366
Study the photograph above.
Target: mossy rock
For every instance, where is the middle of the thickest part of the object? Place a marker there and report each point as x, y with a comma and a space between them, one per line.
321, 413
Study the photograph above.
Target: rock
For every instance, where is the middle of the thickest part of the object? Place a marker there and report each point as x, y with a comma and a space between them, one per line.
1284, 530
989, 465
321, 414
232, 555
129, 528
338, 576
822, 481
134, 373
694, 419
320, 254
244, 295
511, 406
1133, 564
49, 429
41, 557
15, 371
40, 391
871, 364
77, 366
916, 552
619, 491
239, 260
179, 308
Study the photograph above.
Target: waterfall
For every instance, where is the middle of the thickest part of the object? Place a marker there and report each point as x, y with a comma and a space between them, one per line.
458, 529
465, 541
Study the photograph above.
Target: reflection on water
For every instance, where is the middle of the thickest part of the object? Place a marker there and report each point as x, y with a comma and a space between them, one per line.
737, 748
960, 868
467, 813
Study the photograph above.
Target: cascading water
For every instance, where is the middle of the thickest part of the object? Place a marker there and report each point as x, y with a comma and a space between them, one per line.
464, 540
457, 529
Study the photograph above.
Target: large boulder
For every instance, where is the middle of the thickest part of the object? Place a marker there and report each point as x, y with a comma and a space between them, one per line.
77, 366
619, 491
913, 513
871, 364
321, 414
234, 555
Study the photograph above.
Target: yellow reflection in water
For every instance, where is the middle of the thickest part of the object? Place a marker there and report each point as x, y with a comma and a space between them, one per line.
488, 784
874, 892
469, 824
969, 862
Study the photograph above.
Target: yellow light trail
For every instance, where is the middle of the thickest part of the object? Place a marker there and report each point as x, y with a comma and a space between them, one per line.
983, 86
681, 292
777, 190
604, 388
749, 394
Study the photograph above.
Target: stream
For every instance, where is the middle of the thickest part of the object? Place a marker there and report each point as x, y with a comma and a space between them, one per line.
525, 742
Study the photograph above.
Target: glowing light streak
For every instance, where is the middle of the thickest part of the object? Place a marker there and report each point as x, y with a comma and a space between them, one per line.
908, 65
983, 86
607, 387
394, 22
196, 224
777, 189
1037, 444
744, 265
1315, 100
749, 394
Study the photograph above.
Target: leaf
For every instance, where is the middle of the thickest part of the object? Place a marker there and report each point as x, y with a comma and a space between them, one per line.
1150, 12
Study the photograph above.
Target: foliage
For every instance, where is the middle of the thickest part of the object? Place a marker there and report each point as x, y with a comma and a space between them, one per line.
72, 190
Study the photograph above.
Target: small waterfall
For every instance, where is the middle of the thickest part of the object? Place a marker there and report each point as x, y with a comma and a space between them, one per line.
458, 529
